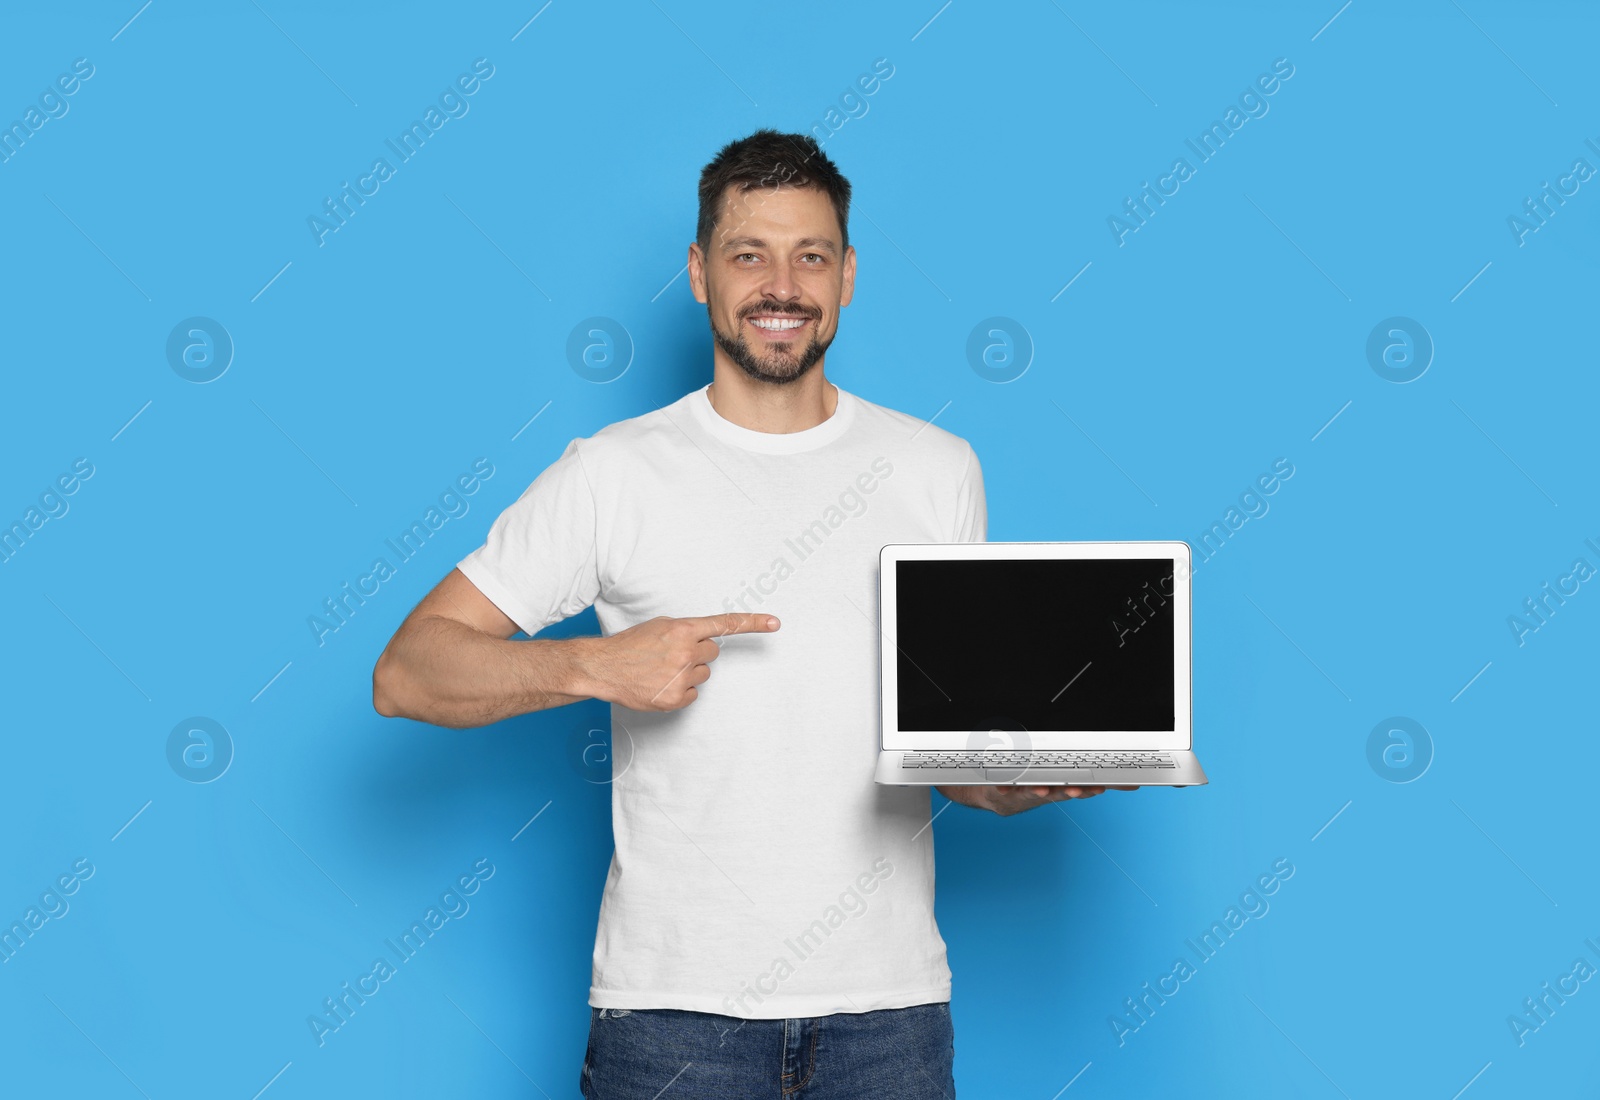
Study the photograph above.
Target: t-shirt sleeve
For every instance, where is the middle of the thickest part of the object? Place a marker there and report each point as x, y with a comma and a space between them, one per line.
972, 508
539, 563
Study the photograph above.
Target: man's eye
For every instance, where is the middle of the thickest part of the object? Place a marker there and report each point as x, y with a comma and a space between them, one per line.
746, 256
813, 256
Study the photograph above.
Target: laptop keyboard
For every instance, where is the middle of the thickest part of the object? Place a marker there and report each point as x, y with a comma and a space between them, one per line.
1038, 760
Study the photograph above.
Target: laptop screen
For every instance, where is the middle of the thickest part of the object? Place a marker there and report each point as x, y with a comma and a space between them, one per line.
1061, 644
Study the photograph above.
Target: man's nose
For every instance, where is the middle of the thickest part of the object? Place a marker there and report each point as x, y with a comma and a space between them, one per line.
780, 285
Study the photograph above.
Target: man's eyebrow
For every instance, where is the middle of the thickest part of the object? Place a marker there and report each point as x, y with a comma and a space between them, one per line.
821, 244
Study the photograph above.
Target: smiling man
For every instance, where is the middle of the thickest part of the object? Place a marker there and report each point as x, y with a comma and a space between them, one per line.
767, 924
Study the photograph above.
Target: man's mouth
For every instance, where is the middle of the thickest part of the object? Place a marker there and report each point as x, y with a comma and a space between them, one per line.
779, 327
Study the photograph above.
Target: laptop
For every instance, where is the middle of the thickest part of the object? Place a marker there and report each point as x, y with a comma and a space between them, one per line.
1036, 663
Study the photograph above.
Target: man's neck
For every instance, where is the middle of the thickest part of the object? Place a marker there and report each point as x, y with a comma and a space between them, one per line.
777, 409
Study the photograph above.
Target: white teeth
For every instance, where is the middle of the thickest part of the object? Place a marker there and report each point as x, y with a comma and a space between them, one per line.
775, 325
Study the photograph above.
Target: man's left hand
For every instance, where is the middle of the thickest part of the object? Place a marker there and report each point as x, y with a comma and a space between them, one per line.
1011, 799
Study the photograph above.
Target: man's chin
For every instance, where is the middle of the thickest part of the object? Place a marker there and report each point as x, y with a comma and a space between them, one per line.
779, 371
783, 375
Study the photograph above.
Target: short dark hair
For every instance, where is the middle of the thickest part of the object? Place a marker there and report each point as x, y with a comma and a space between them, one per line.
770, 159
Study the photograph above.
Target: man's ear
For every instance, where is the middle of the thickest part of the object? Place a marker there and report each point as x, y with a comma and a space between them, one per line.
848, 289
697, 272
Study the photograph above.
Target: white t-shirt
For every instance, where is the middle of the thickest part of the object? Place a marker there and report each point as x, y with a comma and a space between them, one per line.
759, 871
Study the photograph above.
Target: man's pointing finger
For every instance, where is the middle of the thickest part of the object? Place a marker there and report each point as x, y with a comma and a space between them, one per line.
718, 626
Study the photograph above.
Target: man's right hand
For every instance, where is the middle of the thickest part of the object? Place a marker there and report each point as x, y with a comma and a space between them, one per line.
658, 665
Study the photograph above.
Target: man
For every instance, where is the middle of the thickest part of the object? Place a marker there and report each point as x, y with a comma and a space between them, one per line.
767, 923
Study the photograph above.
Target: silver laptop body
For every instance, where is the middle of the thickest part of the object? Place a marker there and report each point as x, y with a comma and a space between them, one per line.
1036, 663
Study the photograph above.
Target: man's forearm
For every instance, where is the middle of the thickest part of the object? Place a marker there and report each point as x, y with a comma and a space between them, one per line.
1006, 799
967, 796
444, 672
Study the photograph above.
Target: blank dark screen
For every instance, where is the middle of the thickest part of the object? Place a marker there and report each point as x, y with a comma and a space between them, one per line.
1035, 645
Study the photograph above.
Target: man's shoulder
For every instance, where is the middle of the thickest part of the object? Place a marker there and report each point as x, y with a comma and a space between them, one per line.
905, 429
664, 429
658, 426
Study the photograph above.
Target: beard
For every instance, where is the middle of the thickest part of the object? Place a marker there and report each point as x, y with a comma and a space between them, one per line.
780, 363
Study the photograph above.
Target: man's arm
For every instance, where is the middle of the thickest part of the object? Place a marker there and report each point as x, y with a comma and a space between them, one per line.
452, 662
1007, 800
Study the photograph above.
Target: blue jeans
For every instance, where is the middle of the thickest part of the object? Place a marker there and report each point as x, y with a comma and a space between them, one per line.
890, 1054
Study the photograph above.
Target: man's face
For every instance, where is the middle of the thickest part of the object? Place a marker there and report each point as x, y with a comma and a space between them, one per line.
773, 280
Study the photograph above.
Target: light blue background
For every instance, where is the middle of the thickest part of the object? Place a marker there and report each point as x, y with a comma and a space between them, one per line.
1229, 331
